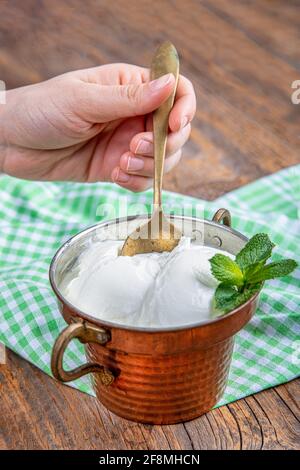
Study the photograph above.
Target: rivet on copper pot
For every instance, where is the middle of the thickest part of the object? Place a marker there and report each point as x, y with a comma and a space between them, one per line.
197, 235
107, 378
103, 337
217, 241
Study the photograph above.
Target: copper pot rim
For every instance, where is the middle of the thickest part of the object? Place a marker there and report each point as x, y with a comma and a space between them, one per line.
109, 324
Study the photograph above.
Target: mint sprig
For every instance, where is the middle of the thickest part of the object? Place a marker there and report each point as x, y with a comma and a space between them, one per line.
257, 250
241, 278
228, 298
226, 270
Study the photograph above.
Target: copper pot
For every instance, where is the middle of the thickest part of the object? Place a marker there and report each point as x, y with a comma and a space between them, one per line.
157, 376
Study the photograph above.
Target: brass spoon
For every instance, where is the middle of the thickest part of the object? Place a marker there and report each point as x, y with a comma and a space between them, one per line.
159, 234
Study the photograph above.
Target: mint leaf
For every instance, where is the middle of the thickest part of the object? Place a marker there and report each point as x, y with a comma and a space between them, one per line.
257, 250
226, 270
252, 269
227, 298
224, 297
272, 270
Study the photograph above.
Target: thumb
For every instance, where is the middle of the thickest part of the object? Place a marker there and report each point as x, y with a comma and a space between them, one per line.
103, 103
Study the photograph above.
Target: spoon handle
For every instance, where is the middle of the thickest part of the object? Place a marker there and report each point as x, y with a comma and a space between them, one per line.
164, 61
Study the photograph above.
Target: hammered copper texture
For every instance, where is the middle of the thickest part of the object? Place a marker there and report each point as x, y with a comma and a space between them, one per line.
163, 389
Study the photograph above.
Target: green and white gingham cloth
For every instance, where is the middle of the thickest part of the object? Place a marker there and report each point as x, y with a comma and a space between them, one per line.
36, 218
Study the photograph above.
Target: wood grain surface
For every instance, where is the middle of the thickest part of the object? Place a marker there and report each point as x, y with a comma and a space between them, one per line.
242, 57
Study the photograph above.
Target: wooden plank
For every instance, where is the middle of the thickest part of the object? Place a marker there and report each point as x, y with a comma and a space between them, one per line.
242, 61
38, 413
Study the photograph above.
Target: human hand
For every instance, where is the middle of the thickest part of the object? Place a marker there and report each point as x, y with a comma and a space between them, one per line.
92, 125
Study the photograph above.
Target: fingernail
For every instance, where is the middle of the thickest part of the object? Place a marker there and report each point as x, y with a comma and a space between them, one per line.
144, 146
161, 82
121, 177
135, 164
183, 122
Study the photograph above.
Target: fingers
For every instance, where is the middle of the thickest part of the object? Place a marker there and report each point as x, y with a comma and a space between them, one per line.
136, 172
102, 103
144, 166
142, 143
113, 74
133, 182
184, 107
136, 167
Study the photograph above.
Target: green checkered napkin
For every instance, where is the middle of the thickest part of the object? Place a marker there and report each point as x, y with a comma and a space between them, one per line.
36, 218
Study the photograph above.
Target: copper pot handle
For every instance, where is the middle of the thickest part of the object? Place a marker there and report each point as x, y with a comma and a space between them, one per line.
222, 215
85, 333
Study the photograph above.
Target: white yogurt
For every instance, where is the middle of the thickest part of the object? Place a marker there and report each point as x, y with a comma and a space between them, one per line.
149, 290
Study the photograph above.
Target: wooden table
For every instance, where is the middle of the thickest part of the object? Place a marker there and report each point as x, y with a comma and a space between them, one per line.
242, 58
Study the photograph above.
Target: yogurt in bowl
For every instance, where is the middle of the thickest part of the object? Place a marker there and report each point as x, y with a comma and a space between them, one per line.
148, 290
